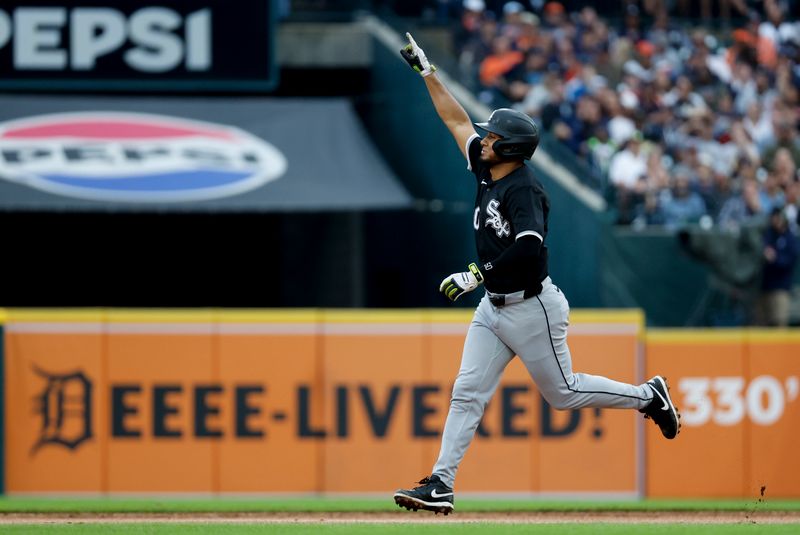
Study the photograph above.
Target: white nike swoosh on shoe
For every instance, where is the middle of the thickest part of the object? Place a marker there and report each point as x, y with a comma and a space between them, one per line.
437, 495
666, 405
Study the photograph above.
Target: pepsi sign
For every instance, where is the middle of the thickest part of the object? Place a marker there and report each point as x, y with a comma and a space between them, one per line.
135, 157
133, 45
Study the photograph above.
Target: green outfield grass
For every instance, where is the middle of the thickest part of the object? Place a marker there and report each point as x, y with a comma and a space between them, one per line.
419, 522
268, 504
438, 529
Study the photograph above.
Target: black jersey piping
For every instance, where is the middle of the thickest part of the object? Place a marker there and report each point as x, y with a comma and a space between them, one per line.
555, 356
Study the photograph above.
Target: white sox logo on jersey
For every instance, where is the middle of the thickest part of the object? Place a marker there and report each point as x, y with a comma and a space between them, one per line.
496, 221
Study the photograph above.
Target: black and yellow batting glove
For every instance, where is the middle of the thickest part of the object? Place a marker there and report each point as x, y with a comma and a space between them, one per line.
457, 284
416, 58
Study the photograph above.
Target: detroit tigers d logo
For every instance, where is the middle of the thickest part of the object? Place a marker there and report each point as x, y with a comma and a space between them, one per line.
65, 408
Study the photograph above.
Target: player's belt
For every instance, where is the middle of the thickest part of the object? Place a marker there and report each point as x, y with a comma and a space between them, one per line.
501, 300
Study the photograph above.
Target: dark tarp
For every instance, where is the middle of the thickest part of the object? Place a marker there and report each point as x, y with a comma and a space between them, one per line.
332, 164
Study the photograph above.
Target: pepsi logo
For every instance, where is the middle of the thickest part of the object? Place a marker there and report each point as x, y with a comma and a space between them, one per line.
135, 157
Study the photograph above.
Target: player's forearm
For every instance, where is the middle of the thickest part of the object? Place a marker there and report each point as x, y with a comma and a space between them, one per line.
523, 252
448, 108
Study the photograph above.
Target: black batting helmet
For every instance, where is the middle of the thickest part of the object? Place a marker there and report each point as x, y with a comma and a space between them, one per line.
520, 135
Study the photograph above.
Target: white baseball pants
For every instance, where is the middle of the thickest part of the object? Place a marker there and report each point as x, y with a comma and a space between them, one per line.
536, 330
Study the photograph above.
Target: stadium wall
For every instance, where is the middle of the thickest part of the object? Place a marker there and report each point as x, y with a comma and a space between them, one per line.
113, 401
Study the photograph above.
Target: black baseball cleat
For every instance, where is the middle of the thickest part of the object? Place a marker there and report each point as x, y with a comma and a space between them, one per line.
661, 410
431, 495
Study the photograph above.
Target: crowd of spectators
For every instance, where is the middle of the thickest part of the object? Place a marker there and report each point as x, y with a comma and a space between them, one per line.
683, 122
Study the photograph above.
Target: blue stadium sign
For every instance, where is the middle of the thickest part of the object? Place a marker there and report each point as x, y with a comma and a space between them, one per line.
135, 45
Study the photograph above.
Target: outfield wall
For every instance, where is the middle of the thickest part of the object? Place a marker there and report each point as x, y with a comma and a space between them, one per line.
738, 394
120, 401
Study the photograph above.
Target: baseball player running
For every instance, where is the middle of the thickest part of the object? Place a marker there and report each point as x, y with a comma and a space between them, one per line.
522, 313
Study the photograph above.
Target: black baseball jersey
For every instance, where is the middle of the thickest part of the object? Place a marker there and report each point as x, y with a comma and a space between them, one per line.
513, 207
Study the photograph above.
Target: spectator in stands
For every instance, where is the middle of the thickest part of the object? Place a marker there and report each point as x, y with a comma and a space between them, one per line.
531, 79
758, 124
649, 102
792, 208
601, 149
743, 49
724, 189
784, 167
742, 209
684, 99
658, 177
477, 47
780, 259
724, 116
557, 113
752, 87
641, 65
592, 36
631, 23
500, 62
587, 119
771, 194
786, 137
743, 145
554, 15
696, 66
472, 18
629, 164
538, 95
681, 205
528, 37
628, 175
773, 33
649, 213
621, 127
512, 19
706, 187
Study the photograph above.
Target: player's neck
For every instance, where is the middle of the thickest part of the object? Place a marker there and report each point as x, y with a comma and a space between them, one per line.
503, 169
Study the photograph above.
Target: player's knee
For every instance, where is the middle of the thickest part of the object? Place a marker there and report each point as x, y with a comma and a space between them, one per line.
465, 397
466, 405
462, 396
465, 386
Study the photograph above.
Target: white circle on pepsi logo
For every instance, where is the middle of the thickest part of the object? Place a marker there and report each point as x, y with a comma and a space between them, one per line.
272, 163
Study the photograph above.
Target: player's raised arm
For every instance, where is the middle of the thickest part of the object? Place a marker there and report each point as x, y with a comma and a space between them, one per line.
448, 108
